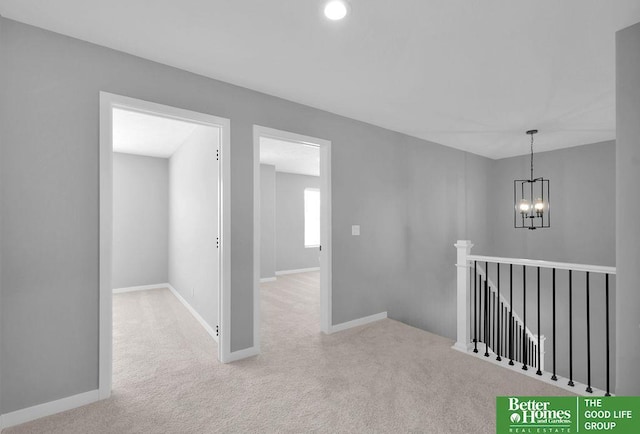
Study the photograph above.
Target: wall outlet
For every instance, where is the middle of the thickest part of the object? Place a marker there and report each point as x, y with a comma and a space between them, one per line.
355, 230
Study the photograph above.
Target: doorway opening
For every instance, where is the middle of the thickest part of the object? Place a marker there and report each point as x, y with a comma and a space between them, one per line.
164, 224
292, 231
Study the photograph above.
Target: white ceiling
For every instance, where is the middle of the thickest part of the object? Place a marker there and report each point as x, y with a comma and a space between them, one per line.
153, 136
469, 74
290, 157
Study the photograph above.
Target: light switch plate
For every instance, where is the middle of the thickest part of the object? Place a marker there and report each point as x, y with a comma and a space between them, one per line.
355, 230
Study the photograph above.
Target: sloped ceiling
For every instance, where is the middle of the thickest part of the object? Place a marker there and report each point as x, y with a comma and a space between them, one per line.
473, 75
153, 136
290, 157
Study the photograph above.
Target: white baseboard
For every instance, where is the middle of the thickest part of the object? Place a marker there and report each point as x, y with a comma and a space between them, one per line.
561, 382
140, 288
48, 408
358, 322
267, 279
242, 354
193, 312
299, 270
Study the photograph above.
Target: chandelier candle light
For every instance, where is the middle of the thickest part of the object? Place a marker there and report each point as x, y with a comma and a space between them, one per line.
531, 199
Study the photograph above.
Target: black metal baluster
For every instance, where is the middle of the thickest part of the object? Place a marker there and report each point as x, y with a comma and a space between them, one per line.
532, 353
505, 350
486, 311
516, 330
493, 321
521, 347
553, 286
520, 342
490, 323
498, 309
511, 314
481, 308
589, 389
538, 372
524, 315
516, 341
606, 295
471, 295
505, 315
475, 308
570, 383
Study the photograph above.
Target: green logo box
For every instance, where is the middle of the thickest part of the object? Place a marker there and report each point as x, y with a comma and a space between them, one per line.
567, 414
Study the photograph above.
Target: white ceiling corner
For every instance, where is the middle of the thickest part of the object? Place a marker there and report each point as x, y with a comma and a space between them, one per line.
290, 157
152, 136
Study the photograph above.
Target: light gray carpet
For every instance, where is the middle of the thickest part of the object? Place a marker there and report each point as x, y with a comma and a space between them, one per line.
383, 377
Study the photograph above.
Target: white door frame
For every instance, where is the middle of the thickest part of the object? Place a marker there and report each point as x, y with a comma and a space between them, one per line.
325, 223
108, 102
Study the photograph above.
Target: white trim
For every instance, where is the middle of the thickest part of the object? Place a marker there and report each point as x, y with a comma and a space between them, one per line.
256, 239
108, 101
299, 270
561, 382
48, 408
358, 322
463, 294
267, 279
325, 224
326, 279
243, 354
140, 288
105, 340
193, 312
544, 264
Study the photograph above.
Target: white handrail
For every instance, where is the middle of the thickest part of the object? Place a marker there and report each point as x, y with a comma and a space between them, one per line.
463, 290
544, 264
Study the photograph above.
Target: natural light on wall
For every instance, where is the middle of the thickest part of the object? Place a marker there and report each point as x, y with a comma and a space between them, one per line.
311, 217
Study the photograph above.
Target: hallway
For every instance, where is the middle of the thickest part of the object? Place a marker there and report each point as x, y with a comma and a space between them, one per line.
383, 377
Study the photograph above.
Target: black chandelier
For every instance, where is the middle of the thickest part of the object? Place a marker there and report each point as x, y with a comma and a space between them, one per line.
531, 199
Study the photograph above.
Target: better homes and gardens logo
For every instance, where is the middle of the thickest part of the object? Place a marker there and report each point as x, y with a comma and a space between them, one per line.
539, 413
564, 414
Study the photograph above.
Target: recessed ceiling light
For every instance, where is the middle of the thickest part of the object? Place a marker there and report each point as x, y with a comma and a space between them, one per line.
336, 9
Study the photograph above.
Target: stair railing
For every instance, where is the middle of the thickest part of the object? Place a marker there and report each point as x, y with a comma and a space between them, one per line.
485, 318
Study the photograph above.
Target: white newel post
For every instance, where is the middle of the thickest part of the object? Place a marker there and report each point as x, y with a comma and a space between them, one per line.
463, 341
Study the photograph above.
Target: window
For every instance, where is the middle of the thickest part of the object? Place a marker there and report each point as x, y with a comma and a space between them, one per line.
311, 217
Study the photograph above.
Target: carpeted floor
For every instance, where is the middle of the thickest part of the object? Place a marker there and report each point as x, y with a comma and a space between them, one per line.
385, 377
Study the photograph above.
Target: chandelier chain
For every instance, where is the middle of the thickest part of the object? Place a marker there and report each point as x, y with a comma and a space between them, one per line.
531, 157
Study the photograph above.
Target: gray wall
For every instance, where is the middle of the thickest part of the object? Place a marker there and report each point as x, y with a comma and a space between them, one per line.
267, 221
411, 202
582, 193
412, 198
628, 208
582, 200
291, 254
140, 220
193, 222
